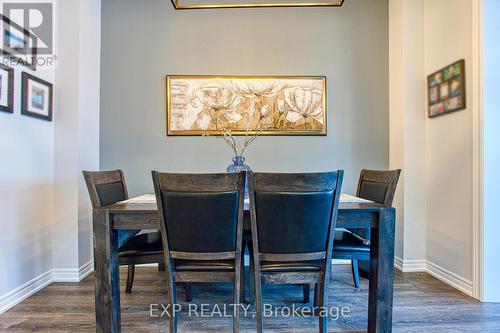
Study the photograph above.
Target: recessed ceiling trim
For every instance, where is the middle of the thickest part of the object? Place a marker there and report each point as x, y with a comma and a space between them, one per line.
212, 4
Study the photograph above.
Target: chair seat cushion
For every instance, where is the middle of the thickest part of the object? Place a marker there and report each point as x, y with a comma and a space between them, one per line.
142, 244
125, 235
295, 266
346, 241
204, 265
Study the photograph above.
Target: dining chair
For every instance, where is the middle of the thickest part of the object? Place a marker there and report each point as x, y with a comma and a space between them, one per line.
354, 244
134, 248
293, 219
201, 220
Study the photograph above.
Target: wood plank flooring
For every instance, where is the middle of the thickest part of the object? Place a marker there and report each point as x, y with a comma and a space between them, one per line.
421, 304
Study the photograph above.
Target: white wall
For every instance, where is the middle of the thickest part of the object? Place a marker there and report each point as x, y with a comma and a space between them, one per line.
45, 210
88, 131
407, 126
65, 227
396, 119
76, 131
26, 194
449, 154
491, 123
435, 201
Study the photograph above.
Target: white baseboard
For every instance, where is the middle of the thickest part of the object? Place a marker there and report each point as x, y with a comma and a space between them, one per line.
86, 270
409, 265
437, 271
72, 274
398, 263
65, 275
454, 280
24, 291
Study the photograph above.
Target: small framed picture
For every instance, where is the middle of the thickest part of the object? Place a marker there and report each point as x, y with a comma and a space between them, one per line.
452, 103
36, 97
456, 88
436, 109
6, 89
436, 79
19, 45
433, 95
446, 89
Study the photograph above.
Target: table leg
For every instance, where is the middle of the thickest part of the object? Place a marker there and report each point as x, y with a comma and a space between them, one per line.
106, 274
382, 273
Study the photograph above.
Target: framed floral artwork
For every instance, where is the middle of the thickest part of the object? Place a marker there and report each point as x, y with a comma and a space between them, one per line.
282, 105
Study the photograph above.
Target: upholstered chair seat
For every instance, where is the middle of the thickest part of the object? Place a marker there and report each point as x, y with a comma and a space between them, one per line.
142, 244
347, 241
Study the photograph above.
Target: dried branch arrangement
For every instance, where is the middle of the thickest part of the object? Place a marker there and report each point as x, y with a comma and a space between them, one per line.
230, 139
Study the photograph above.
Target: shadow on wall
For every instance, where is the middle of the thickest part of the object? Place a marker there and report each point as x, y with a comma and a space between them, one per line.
26, 237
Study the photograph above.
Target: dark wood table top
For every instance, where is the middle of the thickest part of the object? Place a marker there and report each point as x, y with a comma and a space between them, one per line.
124, 207
141, 214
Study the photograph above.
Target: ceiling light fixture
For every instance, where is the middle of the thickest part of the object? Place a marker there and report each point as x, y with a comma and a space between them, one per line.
208, 4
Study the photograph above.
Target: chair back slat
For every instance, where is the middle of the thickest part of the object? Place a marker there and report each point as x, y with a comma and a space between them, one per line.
185, 182
290, 182
293, 256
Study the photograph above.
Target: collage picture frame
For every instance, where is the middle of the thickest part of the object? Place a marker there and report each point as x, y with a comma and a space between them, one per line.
446, 90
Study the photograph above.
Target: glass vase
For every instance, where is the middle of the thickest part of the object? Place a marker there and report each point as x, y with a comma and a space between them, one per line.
238, 166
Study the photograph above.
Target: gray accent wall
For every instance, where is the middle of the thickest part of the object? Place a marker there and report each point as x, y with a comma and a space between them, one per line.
143, 41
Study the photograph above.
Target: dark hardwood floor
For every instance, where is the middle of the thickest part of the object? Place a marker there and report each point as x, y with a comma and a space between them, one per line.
421, 304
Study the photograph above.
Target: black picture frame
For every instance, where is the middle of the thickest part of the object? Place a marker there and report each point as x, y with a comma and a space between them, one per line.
24, 97
446, 91
12, 53
10, 99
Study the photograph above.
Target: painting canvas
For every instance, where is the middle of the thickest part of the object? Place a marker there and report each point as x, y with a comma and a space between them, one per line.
36, 97
446, 89
201, 105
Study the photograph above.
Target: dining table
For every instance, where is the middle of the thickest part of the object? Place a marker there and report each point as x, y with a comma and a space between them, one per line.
142, 213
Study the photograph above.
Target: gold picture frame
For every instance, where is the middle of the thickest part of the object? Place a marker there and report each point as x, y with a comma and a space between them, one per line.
270, 105
210, 4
